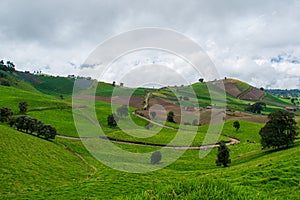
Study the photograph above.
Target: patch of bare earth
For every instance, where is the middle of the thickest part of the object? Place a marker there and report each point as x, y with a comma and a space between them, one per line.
232, 89
254, 94
237, 115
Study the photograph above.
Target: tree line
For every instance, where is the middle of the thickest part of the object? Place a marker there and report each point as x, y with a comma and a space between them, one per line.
8, 67
26, 123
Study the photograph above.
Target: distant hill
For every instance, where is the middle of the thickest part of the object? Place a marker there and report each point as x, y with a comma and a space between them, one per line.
284, 93
238, 94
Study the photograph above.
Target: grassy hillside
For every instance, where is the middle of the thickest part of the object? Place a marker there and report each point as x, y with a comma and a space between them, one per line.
34, 168
10, 97
234, 89
30, 164
50, 85
9, 79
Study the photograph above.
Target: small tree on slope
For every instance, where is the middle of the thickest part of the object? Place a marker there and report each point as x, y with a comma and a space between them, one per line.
236, 125
223, 155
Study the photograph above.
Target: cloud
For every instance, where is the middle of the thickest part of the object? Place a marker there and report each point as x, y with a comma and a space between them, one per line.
245, 39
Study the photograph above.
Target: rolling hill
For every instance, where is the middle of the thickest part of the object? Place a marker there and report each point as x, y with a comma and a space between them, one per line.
34, 168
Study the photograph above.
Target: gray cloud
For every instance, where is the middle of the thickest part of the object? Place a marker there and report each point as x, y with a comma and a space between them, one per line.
240, 37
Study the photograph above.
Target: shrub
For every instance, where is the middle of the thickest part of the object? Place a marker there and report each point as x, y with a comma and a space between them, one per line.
156, 157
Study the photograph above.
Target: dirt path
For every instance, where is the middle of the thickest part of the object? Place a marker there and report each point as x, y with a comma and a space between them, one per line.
233, 140
153, 122
146, 106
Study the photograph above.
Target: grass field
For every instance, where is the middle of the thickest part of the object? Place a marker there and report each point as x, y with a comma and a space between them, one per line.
34, 168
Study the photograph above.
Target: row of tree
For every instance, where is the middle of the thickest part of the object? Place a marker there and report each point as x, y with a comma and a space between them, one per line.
8, 67
31, 125
27, 123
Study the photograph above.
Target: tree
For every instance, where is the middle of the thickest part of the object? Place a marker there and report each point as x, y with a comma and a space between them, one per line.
153, 114
47, 131
201, 80
292, 100
186, 98
279, 131
112, 120
23, 107
156, 157
223, 155
195, 122
256, 107
114, 83
5, 114
123, 111
61, 97
236, 125
170, 117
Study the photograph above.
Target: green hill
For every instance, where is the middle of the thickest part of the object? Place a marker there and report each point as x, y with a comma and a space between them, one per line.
30, 164
34, 168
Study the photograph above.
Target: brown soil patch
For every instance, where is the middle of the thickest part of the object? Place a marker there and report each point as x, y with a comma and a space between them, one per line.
232, 89
253, 94
237, 115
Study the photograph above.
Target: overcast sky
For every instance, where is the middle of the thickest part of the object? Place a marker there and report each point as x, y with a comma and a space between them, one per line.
255, 41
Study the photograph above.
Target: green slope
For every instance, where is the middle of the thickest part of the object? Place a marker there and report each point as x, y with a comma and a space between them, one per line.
13, 80
32, 164
10, 97
203, 96
51, 85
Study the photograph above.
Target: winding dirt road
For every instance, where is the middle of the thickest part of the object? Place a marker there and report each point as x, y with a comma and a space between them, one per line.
233, 141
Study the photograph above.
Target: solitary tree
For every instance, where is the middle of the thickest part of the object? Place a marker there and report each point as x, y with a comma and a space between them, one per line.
156, 157
114, 83
153, 114
23, 107
223, 155
112, 120
280, 130
236, 125
170, 117
201, 80
123, 111
195, 122
292, 100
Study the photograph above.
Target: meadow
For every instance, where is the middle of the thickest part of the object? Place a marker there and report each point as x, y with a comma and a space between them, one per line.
34, 168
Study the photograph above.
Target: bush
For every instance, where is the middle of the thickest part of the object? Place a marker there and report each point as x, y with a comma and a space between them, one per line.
156, 157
